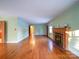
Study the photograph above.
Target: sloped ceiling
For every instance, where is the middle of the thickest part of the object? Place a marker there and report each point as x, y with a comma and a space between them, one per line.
34, 11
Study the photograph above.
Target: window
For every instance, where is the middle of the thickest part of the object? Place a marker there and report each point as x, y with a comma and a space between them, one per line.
74, 39
50, 29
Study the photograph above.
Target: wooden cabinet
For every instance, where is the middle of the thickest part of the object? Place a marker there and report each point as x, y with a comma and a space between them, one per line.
2, 31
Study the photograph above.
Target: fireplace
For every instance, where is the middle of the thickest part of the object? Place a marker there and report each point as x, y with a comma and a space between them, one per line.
59, 39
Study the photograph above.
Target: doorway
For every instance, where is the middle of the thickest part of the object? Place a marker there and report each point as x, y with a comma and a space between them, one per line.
31, 30
2, 31
31, 35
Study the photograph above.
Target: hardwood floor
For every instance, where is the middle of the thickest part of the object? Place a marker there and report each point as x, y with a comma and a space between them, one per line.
40, 50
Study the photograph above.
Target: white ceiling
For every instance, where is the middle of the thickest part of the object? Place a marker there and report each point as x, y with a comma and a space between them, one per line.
34, 11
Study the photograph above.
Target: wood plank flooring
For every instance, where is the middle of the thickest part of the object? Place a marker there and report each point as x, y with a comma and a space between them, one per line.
41, 50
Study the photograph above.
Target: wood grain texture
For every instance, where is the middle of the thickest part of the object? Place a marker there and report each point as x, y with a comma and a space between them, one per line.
40, 50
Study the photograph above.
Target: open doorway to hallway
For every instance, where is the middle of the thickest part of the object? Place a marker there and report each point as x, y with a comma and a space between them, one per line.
31, 35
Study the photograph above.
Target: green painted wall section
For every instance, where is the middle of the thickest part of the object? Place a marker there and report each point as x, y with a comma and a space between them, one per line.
23, 28
11, 23
40, 29
16, 29
70, 17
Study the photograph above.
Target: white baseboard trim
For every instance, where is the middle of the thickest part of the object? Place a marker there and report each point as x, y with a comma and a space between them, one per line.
12, 42
74, 52
16, 41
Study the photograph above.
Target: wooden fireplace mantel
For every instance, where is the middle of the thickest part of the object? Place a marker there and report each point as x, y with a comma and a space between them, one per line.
62, 36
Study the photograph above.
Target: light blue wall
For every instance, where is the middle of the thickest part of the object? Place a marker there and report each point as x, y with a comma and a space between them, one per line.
70, 17
16, 30
11, 33
40, 29
23, 29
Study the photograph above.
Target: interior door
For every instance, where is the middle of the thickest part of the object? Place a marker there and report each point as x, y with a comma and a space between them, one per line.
2, 31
